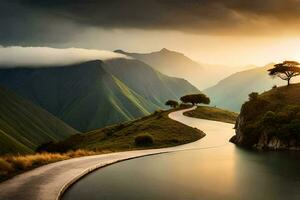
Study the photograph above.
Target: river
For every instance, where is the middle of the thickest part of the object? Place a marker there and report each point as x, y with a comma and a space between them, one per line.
213, 169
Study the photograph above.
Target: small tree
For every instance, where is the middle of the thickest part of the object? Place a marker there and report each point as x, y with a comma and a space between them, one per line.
195, 99
172, 103
285, 70
253, 96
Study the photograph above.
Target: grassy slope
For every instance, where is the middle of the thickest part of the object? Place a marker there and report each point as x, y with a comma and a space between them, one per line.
283, 95
121, 137
165, 132
212, 113
273, 100
24, 126
84, 95
149, 83
94, 94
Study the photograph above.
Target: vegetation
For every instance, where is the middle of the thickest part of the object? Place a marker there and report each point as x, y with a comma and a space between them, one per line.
94, 94
11, 165
172, 103
122, 137
273, 114
24, 126
154, 131
195, 99
285, 70
144, 139
212, 113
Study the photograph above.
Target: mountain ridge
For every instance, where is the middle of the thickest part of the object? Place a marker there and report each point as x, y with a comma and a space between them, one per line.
94, 94
24, 126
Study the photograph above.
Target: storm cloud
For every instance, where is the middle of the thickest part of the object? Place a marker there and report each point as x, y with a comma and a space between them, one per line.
35, 21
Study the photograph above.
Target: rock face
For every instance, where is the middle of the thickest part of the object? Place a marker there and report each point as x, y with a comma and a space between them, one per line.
270, 121
264, 140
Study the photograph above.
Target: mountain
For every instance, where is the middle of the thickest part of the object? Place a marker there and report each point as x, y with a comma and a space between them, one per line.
24, 126
151, 84
231, 92
270, 120
94, 94
176, 64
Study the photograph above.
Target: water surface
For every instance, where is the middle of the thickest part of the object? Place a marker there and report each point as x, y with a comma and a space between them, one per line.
216, 170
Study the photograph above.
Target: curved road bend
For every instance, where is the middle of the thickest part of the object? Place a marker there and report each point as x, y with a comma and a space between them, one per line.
49, 182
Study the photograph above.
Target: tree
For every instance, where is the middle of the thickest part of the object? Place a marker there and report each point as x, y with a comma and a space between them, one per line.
172, 103
195, 99
285, 70
253, 96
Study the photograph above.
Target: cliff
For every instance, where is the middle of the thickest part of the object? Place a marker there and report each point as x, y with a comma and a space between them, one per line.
271, 120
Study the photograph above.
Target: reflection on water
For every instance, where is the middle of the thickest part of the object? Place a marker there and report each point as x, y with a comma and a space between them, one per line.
217, 170
219, 173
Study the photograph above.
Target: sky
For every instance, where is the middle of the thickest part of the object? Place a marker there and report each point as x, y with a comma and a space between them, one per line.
226, 32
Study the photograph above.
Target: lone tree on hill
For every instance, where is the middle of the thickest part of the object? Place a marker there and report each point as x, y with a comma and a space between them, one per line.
195, 99
285, 70
172, 103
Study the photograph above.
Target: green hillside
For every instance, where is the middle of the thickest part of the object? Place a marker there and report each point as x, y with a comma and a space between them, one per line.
212, 113
270, 120
24, 126
83, 95
149, 83
95, 94
163, 131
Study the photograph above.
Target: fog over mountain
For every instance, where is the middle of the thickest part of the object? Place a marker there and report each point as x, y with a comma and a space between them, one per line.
16, 56
176, 64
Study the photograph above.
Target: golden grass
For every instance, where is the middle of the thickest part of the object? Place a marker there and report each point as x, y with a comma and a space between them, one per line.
10, 165
5, 167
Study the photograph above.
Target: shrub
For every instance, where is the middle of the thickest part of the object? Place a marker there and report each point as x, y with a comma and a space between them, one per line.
269, 118
5, 167
172, 103
294, 127
144, 139
253, 96
80, 153
274, 87
20, 162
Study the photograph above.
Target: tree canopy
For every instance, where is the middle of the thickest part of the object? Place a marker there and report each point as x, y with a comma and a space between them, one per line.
172, 103
285, 70
195, 99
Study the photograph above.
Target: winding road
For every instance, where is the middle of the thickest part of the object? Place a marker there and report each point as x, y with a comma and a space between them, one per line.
50, 181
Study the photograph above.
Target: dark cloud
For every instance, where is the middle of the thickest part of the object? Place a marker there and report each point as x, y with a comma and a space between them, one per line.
54, 20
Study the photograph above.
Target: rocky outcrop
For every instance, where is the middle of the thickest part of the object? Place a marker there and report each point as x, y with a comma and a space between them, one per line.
263, 140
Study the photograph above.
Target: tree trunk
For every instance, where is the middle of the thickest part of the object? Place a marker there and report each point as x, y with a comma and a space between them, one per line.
288, 82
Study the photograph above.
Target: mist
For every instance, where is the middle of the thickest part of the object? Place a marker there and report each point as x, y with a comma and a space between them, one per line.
32, 57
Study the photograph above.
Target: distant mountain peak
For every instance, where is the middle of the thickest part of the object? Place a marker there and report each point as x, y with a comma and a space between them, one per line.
120, 51
165, 50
